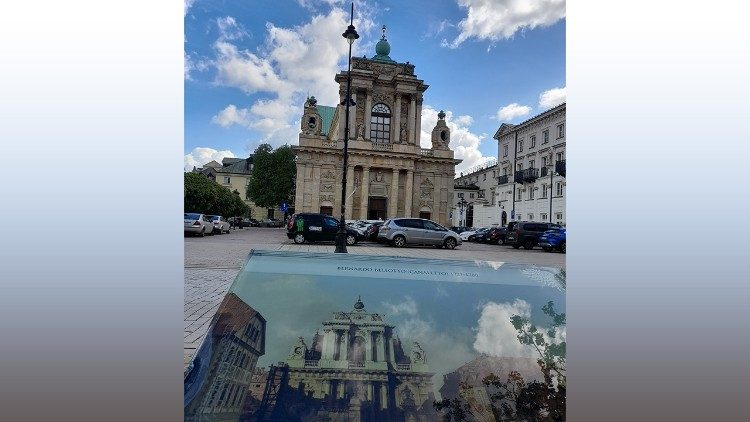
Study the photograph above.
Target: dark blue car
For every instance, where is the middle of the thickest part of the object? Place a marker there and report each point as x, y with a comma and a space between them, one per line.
553, 239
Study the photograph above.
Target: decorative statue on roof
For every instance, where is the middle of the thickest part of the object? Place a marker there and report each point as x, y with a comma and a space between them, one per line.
299, 349
311, 123
441, 134
417, 354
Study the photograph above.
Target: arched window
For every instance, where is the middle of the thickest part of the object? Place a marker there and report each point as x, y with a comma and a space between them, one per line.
380, 124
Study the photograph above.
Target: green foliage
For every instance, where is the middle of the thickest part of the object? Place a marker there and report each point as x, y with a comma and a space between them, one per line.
273, 179
205, 196
516, 399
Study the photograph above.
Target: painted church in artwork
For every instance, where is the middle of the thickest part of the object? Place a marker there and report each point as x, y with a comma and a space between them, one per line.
354, 369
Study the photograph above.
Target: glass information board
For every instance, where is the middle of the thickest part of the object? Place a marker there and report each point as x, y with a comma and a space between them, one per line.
341, 337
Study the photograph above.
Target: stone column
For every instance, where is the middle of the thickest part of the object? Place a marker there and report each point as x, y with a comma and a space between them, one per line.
299, 194
353, 117
412, 119
383, 395
418, 118
316, 189
349, 189
365, 193
345, 346
368, 347
391, 356
371, 391
381, 346
324, 346
409, 193
368, 113
396, 132
393, 197
438, 185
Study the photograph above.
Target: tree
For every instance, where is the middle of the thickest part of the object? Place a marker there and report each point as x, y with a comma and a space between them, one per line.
206, 196
516, 399
273, 178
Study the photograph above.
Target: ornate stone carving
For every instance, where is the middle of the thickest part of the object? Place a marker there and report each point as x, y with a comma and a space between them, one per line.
361, 132
380, 97
379, 176
324, 198
328, 175
326, 187
299, 349
417, 353
403, 133
361, 64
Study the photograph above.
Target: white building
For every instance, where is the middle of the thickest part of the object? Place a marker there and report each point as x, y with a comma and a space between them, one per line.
531, 162
475, 197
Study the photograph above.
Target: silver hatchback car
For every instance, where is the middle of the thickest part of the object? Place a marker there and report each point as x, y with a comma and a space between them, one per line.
417, 231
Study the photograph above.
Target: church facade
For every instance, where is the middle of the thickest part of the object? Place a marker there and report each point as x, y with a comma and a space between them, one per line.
354, 369
389, 174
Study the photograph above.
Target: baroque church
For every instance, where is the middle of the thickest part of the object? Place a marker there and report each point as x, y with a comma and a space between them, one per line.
389, 174
355, 369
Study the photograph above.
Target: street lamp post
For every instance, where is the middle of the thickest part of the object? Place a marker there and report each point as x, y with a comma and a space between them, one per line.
350, 34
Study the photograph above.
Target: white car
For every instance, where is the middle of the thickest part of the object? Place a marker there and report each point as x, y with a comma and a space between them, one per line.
465, 235
197, 224
221, 225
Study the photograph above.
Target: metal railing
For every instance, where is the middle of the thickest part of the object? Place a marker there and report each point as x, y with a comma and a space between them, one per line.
311, 363
502, 179
425, 151
355, 364
382, 147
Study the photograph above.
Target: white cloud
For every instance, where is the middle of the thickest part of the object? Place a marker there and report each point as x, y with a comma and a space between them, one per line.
291, 63
229, 29
495, 20
463, 141
200, 156
496, 336
407, 307
512, 111
232, 115
552, 98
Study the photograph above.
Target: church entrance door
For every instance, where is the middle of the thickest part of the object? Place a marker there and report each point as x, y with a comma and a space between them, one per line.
376, 209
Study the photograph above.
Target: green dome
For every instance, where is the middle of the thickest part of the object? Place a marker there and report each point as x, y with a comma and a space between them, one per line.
382, 48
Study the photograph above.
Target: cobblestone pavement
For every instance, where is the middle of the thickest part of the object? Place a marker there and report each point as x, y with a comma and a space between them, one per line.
211, 264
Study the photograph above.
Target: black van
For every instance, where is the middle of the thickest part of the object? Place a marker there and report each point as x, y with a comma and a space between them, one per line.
526, 233
314, 227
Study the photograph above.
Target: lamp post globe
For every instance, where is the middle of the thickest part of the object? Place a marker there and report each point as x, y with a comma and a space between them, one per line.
350, 34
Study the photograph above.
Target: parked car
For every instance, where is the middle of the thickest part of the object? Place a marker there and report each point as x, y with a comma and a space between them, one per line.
465, 234
250, 222
478, 234
271, 222
312, 227
526, 233
495, 235
417, 231
197, 224
553, 239
221, 225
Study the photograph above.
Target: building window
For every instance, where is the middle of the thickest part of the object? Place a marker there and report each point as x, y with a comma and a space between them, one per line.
560, 156
461, 195
505, 171
543, 216
533, 142
471, 196
505, 151
531, 192
494, 174
519, 194
480, 194
380, 124
531, 217
544, 191
561, 130
485, 177
559, 188
520, 145
519, 166
544, 161
545, 136
226, 180
531, 164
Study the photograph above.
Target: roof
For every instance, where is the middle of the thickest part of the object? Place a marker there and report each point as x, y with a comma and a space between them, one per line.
507, 127
326, 118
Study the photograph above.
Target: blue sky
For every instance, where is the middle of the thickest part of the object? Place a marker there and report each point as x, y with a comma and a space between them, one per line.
250, 64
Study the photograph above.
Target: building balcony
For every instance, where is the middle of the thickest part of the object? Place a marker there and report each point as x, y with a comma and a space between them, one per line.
530, 175
560, 168
518, 176
502, 180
